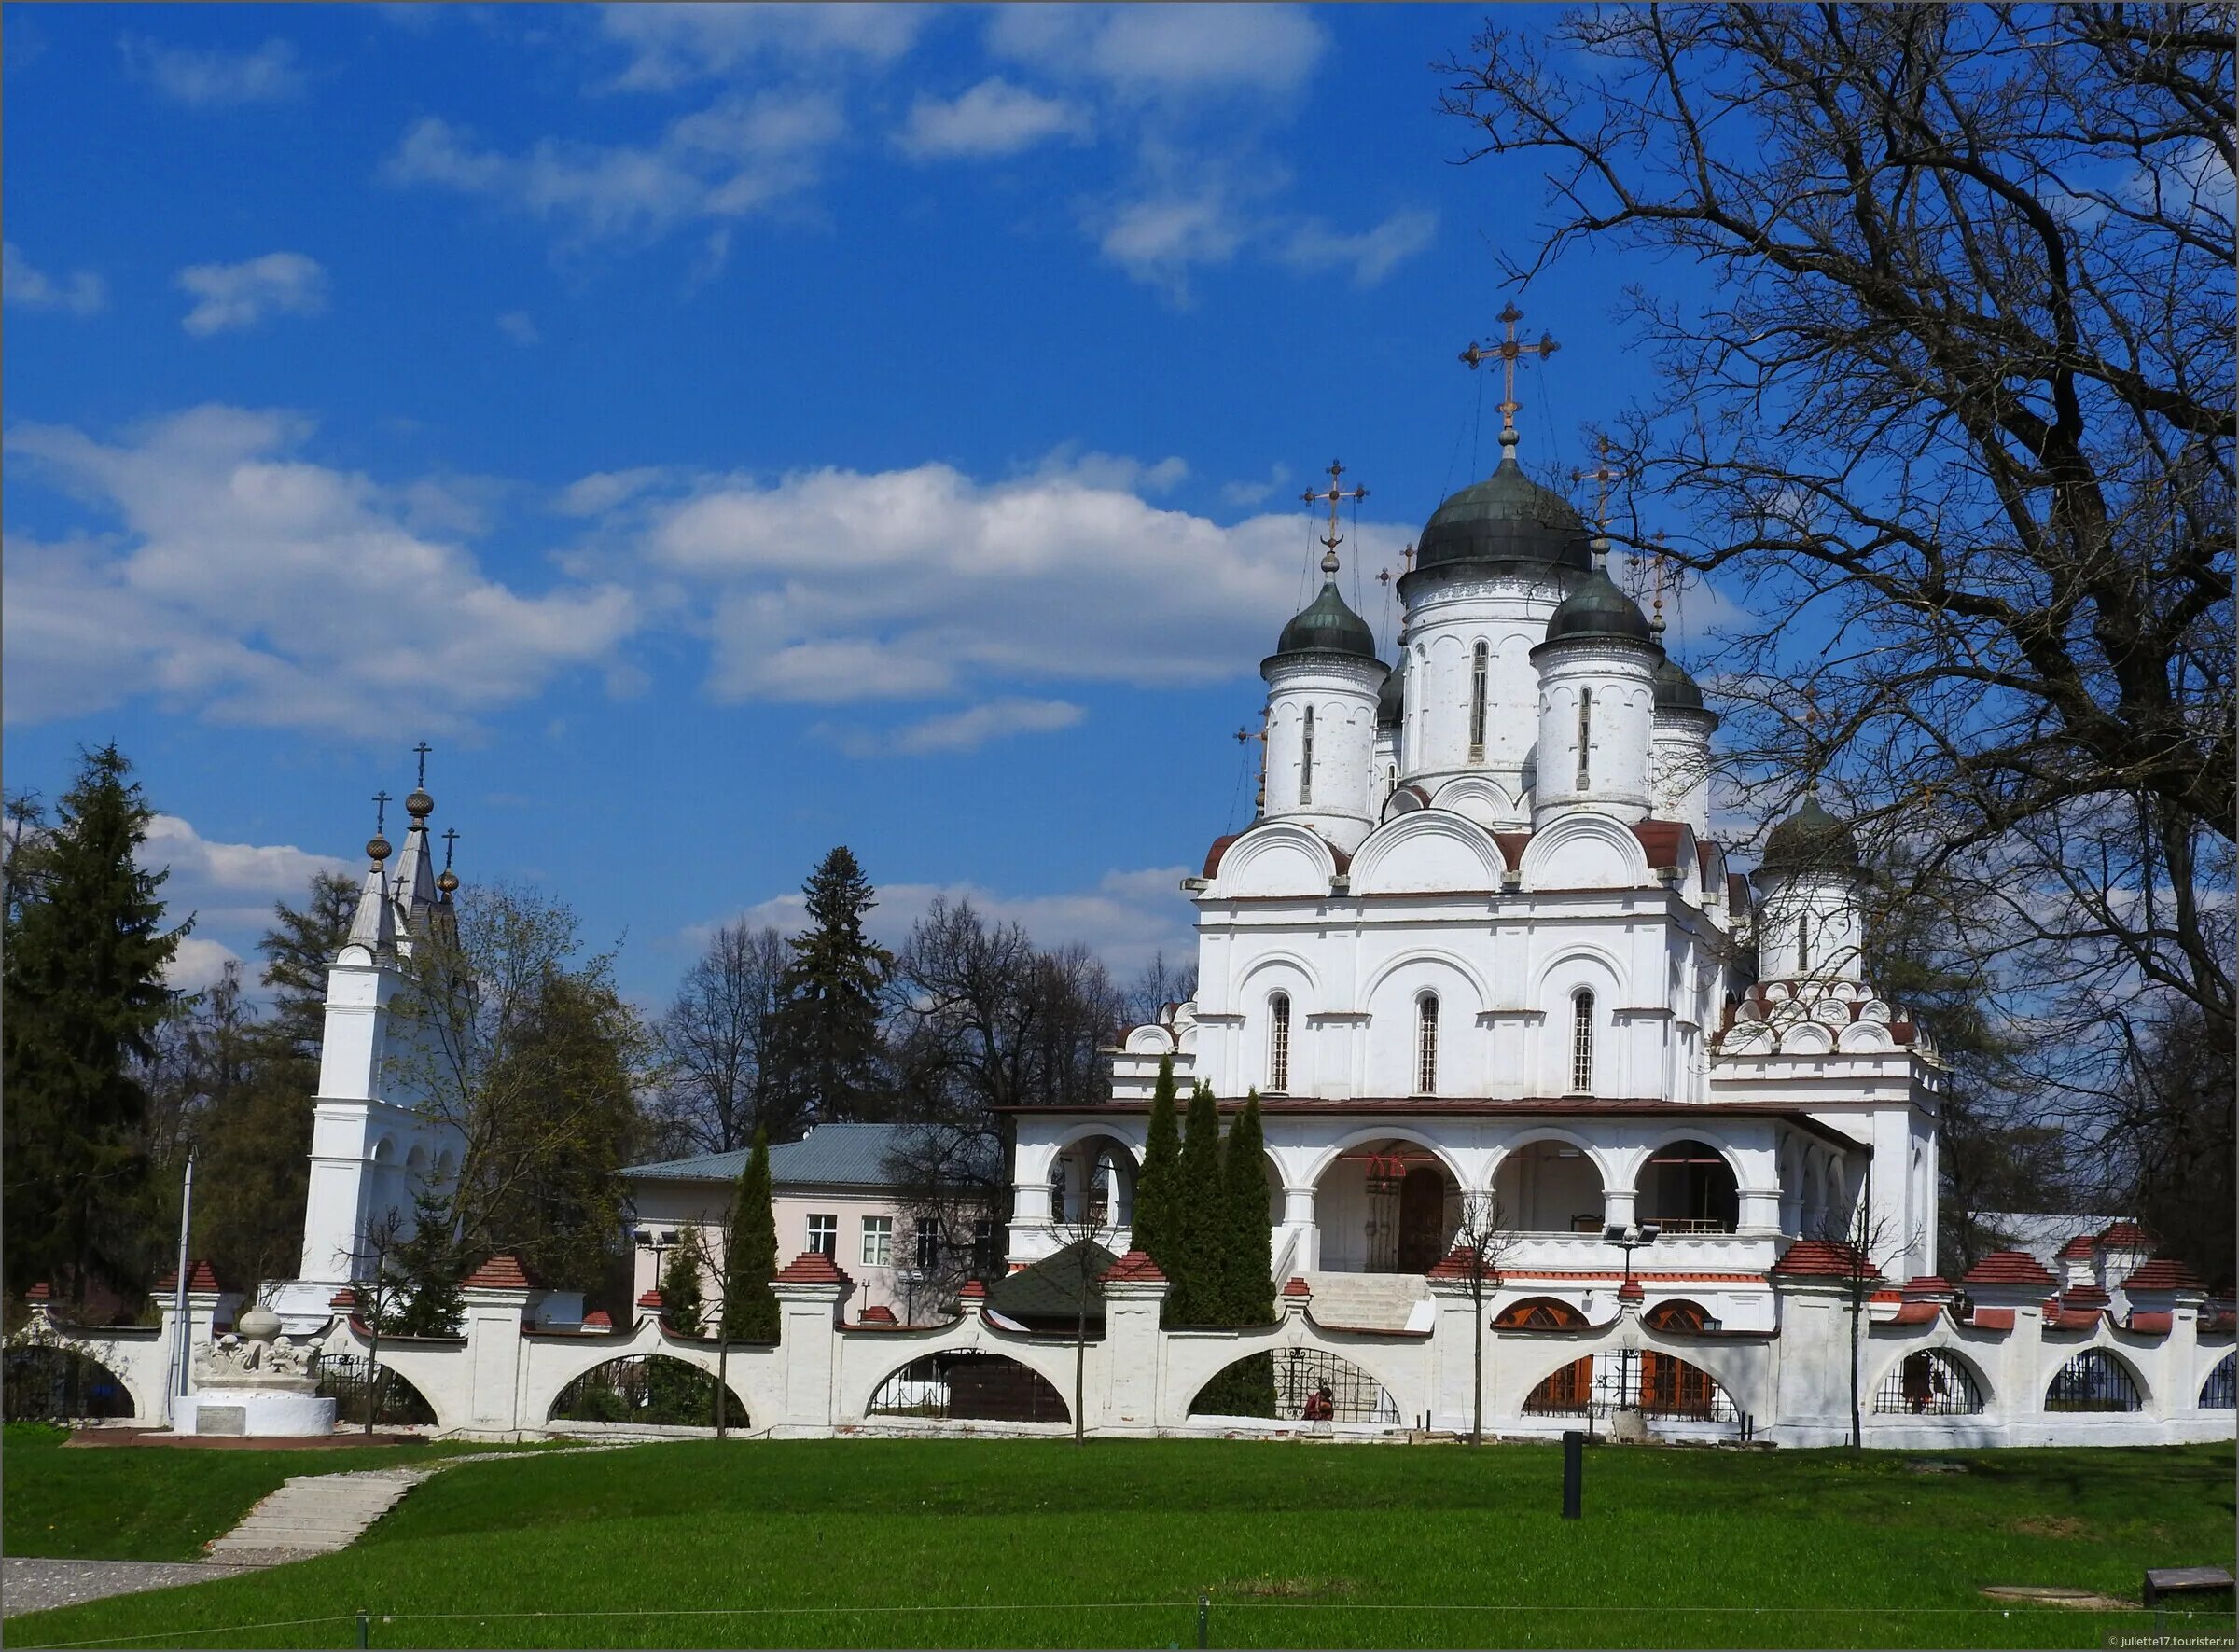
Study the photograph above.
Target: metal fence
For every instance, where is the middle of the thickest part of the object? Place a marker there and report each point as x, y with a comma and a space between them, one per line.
45, 1384
969, 1387
1355, 1396
1931, 1383
1657, 1384
2092, 1380
2217, 1393
345, 1378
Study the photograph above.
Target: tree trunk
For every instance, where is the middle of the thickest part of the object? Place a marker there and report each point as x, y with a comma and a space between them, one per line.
1081, 1365
373, 1374
722, 1381
1857, 1307
1477, 1352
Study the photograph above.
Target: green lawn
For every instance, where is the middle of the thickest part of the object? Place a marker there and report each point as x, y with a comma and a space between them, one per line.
150, 1503
847, 1543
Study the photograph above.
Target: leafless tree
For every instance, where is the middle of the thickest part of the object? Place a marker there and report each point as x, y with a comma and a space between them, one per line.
1159, 984
1483, 1242
1950, 421
720, 1070
1083, 1233
1866, 1241
381, 1291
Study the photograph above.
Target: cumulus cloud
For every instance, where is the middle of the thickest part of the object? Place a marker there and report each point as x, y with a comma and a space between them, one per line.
229, 883
25, 286
1180, 217
736, 157
1126, 919
230, 297
214, 80
953, 734
668, 46
251, 586
992, 118
1243, 493
1368, 257
518, 326
1164, 49
200, 963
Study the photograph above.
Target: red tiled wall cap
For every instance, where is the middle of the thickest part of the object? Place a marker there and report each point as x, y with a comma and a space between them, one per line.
41, 1292
2163, 1273
811, 1268
2008, 1267
973, 1291
1820, 1258
650, 1299
201, 1276
501, 1273
1295, 1286
1135, 1266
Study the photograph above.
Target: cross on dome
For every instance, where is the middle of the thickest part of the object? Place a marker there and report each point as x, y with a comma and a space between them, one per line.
1509, 351
1602, 474
1333, 496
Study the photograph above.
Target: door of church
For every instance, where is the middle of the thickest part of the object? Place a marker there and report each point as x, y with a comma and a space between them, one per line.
1422, 1220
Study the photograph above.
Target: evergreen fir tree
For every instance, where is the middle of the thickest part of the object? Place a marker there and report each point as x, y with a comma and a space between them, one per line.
430, 1268
1246, 1388
682, 1302
82, 977
297, 950
1154, 1223
750, 1254
829, 1025
1200, 1237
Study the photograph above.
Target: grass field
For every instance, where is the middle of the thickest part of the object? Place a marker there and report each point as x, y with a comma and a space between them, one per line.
867, 1543
150, 1503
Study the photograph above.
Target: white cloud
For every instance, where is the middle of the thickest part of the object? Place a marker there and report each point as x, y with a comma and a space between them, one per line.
1126, 919
231, 297
230, 884
736, 157
953, 734
603, 490
199, 964
1067, 463
1255, 492
1164, 49
992, 118
251, 586
1158, 239
518, 326
214, 80
28, 287
1370, 255
669, 45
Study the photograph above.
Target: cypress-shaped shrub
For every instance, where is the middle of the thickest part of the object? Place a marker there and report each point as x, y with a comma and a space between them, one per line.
1200, 1240
1156, 1188
1247, 1387
682, 1302
750, 1254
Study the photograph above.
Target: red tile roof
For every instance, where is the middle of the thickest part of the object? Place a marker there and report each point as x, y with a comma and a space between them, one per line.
1461, 1262
1994, 1319
1629, 1291
1295, 1286
2153, 1325
1134, 1266
598, 1319
650, 1299
1512, 845
500, 1273
973, 1291
1929, 1284
201, 1276
2070, 1319
2079, 1248
2128, 1235
1661, 839
2008, 1267
344, 1298
1821, 1259
880, 1315
41, 1292
2163, 1273
1917, 1313
2083, 1296
811, 1268
1221, 847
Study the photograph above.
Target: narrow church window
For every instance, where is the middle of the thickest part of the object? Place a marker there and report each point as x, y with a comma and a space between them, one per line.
1057, 1191
1803, 942
1278, 1042
1391, 781
1306, 762
1581, 1043
1426, 1046
1585, 734
1477, 703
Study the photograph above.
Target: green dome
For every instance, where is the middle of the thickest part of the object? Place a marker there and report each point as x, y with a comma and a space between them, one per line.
1676, 691
1598, 609
1327, 627
1391, 700
1810, 840
1507, 518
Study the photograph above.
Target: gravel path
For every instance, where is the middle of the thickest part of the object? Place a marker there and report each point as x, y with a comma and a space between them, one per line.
33, 1585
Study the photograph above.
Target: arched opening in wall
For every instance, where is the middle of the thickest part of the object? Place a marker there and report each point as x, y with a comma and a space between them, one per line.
1677, 1313
1307, 1384
654, 1388
2093, 1381
1278, 1043
348, 1379
1385, 1207
1928, 1384
2217, 1393
1688, 1187
1582, 1042
969, 1387
1660, 1384
1092, 1181
1539, 1313
1549, 1188
48, 1385
1426, 1045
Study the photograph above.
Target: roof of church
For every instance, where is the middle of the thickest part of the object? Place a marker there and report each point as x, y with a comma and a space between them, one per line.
1676, 691
1549, 1106
830, 1154
1598, 609
1507, 518
1810, 838
1326, 626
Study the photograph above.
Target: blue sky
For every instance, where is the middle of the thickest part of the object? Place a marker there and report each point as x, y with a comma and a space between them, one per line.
727, 433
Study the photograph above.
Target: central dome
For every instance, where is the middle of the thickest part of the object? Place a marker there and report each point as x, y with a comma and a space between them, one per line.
1326, 626
1507, 518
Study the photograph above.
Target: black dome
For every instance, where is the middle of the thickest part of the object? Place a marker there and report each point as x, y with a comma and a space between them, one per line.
1598, 609
1327, 627
1507, 518
1391, 700
1810, 840
1676, 691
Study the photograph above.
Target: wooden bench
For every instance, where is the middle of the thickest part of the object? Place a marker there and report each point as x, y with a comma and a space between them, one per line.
2165, 1581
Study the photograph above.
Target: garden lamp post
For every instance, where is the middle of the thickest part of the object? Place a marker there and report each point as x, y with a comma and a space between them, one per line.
1629, 1239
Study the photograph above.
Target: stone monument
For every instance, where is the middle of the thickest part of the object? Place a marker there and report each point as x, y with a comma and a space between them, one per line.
255, 1380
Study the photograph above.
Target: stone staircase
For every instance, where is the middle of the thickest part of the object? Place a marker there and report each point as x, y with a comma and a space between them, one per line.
1370, 1301
315, 1514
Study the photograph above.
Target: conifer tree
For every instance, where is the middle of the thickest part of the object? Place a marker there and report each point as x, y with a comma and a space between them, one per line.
828, 1026
1153, 1229
682, 1299
82, 977
1198, 1243
1250, 1291
430, 1268
750, 1254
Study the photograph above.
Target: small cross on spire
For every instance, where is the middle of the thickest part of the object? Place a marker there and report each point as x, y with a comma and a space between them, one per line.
1602, 474
422, 748
381, 814
1508, 352
1331, 494
450, 841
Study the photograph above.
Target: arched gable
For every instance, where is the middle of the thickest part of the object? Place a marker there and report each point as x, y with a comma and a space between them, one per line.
1291, 972
1274, 858
1633, 1160
1584, 849
1480, 799
1434, 955
1152, 1039
1336, 1150
1596, 1154
1430, 851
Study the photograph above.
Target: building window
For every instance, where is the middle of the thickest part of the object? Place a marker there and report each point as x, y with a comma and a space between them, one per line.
928, 1245
1426, 1045
1278, 1042
824, 1235
1391, 781
1585, 736
1803, 942
1476, 703
1057, 1191
1306, 762
1581, 1043
878, 1241
984, 1247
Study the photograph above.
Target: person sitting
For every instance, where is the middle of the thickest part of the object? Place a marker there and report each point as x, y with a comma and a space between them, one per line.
1320, 1406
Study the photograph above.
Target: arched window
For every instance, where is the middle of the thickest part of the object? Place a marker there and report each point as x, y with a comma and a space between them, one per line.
1582, 1042
1278, 1042
1585, 735
1306, 762
1426, 1045
1391, 781
1476, 703
1803, 942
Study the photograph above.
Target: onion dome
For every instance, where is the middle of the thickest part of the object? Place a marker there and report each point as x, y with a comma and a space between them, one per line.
377, 850
1676, 691
1810, 840
1391, 700
1327, 627
447, 881
1598, 609
1507, 518
419, 805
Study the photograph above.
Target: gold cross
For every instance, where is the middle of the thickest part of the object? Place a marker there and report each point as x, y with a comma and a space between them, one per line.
1332, 539
1602, 476
1509, 351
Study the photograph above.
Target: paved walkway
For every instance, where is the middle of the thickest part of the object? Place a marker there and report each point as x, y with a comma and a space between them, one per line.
315, 1514
33, 1585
